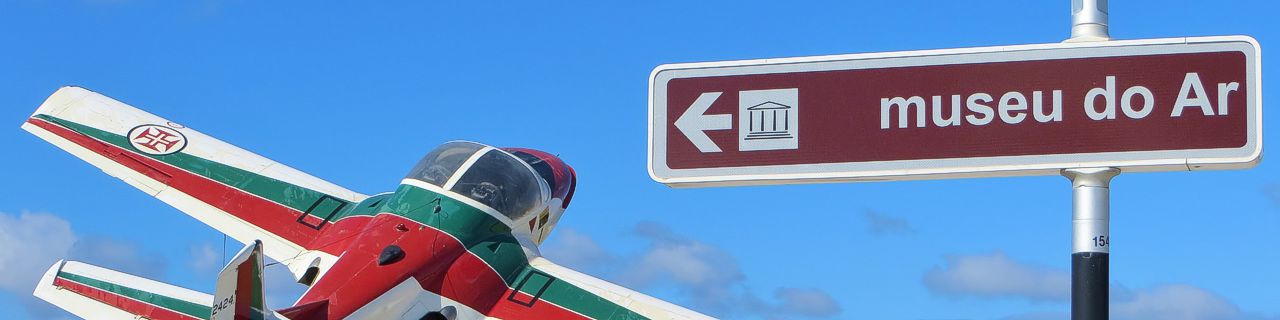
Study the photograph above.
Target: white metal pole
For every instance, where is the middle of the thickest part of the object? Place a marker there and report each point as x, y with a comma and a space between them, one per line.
1090, 196
1090, 241
1089, 21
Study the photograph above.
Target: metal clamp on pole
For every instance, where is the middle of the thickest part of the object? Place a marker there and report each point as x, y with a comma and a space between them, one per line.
1090, 241
1089, 21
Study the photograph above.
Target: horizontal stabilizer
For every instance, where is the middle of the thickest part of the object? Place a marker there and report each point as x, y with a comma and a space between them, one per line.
93, 292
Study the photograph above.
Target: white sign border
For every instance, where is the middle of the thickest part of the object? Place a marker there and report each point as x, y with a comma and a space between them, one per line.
1133, 161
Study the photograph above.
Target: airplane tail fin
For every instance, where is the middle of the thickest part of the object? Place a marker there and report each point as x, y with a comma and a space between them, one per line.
94, 292
239, 293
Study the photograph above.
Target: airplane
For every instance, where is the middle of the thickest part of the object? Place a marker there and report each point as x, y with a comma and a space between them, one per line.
457, 239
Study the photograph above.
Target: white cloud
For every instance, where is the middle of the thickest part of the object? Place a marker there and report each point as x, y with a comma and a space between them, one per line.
206, 259
1165, 302
807, 302
122, 256
1174, 302
1272, 192
708, 275
572, 249
882, 224
995, 275
29, 244
282, 290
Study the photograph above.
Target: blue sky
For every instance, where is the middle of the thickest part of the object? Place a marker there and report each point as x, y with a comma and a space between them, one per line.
356, 94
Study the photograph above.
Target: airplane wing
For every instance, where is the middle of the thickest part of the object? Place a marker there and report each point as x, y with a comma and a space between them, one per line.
587, 296
241, 194
93, 292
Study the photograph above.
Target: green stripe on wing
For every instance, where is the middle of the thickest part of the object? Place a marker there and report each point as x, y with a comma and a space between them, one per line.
177, 305
289, 195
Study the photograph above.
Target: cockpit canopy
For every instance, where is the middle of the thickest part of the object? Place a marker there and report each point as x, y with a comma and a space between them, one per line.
488, 175
494, 178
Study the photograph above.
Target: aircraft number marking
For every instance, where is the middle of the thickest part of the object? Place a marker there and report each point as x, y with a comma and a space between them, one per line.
228, 302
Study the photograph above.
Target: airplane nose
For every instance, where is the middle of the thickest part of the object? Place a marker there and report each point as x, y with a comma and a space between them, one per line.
391, 250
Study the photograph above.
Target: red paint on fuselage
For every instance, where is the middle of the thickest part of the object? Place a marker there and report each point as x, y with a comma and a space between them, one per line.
356, 278
338, 236
436, 260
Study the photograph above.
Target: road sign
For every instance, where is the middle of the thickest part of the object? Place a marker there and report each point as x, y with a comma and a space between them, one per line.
1140, 105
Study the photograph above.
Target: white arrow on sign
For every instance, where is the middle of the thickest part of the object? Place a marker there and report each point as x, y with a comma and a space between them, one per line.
693, 122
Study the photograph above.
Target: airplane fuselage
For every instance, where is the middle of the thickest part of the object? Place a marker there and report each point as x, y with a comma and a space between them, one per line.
453, 254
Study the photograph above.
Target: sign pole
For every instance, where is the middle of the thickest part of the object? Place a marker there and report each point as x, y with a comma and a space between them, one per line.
1090, 240
1089, 21
1090, 196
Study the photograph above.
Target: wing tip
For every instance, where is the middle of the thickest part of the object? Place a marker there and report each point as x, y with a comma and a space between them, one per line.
60, 98
46, 281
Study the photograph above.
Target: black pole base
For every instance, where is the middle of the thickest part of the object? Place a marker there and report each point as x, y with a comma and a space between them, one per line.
1089, 281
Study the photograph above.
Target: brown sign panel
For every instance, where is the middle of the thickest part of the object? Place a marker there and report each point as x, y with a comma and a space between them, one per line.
1144, 105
